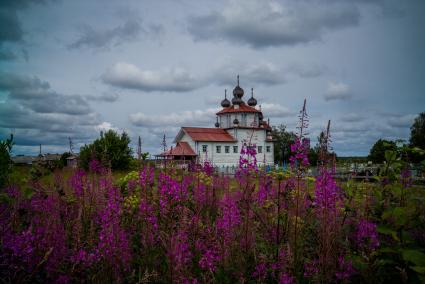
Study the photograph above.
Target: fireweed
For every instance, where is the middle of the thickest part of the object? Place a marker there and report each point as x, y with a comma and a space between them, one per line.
171, 225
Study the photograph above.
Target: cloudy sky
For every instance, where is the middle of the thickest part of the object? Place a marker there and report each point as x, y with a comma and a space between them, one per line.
74, 68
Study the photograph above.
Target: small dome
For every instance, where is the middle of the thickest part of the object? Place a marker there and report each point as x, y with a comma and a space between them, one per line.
238, 91
252, 102
225, 102
237, 101
216, 122
236, 121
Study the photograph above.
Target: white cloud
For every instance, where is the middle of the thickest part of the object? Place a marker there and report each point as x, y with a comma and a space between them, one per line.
185, 118
337, 91
105, 126
275, 110
126, 75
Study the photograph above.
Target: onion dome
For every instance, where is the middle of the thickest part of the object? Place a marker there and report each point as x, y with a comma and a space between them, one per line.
225, 102
238, 91
252, 102
236, 121
237, 101
217, 124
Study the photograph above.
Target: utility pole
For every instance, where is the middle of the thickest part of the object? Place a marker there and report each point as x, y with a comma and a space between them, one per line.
71, 146
164, 148
139, 149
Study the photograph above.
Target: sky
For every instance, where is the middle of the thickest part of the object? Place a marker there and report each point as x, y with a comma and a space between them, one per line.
70, 69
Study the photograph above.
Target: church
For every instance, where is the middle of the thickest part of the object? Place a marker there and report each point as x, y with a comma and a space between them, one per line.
237, 124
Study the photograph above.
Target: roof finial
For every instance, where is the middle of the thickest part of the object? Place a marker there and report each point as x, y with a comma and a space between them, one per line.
225, 93
252, 92
238, 79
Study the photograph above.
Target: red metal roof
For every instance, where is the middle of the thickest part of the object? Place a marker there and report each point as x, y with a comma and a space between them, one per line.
242, 108
208, 134
181, 149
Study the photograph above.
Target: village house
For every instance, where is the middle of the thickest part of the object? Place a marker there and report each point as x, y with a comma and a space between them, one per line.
237, 124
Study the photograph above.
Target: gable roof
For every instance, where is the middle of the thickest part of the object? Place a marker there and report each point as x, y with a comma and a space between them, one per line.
208, 134
242, 108
181, 149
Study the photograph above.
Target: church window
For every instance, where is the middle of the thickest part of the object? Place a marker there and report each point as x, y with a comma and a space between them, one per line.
218, 149
268, 149
204, 148
235, 149
226, 149
260, 149
244, 119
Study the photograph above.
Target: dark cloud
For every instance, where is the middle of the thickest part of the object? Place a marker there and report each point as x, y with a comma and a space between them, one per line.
7, 55
36, 114
129, 31
105, 97
35, 94
269, 23
10, 25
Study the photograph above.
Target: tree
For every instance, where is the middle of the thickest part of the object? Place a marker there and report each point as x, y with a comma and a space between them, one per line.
62, 161
282, 143
5, 160
417, 132
111, 149
377, 153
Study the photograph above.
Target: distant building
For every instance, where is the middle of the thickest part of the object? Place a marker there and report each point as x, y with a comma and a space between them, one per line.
23, 160
72, 161
238, 123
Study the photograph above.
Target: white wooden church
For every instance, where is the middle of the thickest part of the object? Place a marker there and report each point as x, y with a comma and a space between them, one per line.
237, 123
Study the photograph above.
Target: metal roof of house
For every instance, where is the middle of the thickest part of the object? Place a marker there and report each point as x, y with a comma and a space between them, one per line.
181, 149
23, 159
208, 134
241, 108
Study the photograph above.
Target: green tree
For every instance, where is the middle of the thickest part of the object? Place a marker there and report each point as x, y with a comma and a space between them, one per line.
377, 153
282, 143
62, 160
111, 149
5, 160
417, 132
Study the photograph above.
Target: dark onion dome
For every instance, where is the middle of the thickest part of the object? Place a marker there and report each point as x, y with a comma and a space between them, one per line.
237, 101
238, 91
236, 121
216, 123
225, 102
252, 102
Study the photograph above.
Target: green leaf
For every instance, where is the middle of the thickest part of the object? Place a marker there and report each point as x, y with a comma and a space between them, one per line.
390, 155
400, 215
387, 250
4, 198
414, 256
387, 231
418, 269
27, 192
